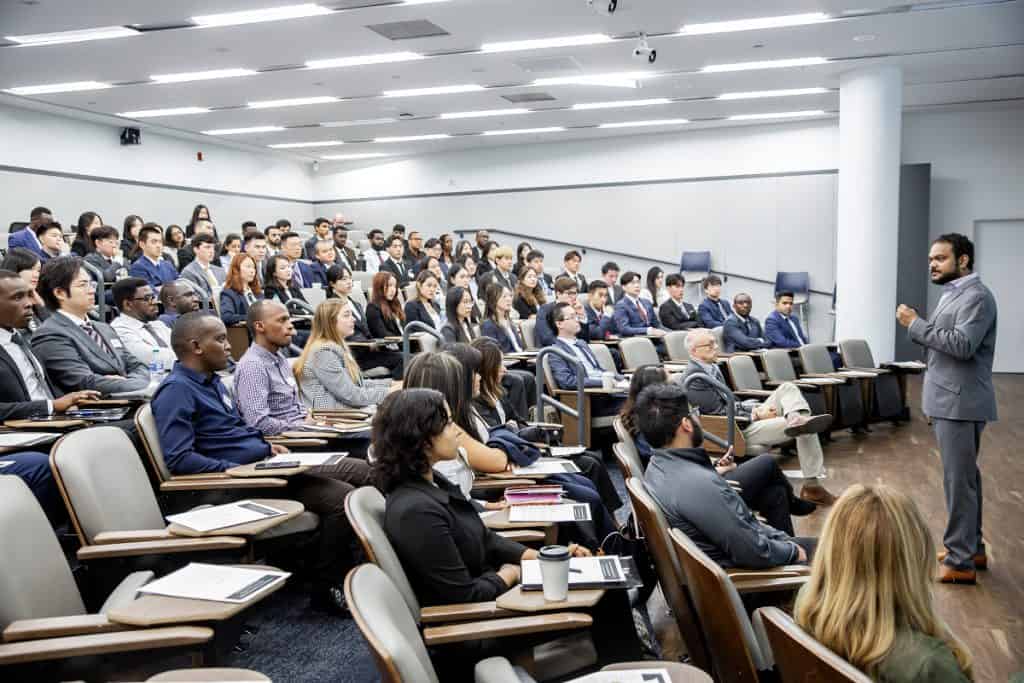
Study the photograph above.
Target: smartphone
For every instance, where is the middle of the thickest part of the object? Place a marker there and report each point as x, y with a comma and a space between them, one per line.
283, 465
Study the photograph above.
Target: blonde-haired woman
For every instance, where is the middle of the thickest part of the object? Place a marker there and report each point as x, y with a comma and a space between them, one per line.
869, 598
327, 373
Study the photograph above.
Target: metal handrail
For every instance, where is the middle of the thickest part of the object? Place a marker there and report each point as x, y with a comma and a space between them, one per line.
543, 399
415, 326
101, 289
730, 408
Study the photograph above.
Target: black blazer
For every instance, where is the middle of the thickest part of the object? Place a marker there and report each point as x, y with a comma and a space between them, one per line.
581, 282
14, 400
417, 310
234, 308
380, 326
271, 292
674, 319
448, 554
452, 333
524, 309
362, 332
403, 275
495, 277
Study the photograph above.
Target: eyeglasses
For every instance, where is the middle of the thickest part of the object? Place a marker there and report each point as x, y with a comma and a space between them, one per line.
710, 345
86, 283
146, 297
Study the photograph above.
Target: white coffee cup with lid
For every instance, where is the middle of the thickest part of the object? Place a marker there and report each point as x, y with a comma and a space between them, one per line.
554, 572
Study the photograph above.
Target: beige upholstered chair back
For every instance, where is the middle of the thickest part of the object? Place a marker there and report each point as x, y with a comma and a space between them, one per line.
744, 373
675, 344
856, 353
778, 365
816, 358
637, 351
145, 424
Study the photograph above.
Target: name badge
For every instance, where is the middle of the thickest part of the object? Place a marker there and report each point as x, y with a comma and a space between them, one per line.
116, 343
227, 402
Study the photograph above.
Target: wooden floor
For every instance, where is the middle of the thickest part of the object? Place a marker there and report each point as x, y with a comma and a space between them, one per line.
988, 617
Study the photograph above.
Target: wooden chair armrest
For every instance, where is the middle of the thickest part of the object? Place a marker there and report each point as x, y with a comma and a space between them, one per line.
546, 425
204, 475
752, 393
56, 627
444, 614
297, 442
107, 537
103, 643
226, 483
523, 535
162, 547
877, 371
783, 570
786, 583
501, 628
490, 484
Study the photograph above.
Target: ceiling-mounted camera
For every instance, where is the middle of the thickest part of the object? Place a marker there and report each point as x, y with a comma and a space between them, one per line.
643, 50
600, 7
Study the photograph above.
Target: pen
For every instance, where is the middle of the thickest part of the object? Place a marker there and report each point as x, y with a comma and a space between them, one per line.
577, 571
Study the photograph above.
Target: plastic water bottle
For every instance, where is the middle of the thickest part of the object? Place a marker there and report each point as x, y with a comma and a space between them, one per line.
156, 367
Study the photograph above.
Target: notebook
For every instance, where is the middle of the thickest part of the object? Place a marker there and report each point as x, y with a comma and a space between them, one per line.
308, 459
546, 466
223, 516
562, 512
219, 583
584, 572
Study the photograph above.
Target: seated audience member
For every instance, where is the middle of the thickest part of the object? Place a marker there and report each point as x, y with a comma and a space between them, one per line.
485, 264
610, 276
413, 250
384, 314
232, 246
76, 352
101, 256
458, 276
655, 289
202, 272
255, 245
200, 430
571, 269
375, 256
565, 293
535, 260
463, 274
567, 324
273, 234
321, 233
529, 294
633, 315
447, 251
177, 298
459, 313
501, 274
600, 324
174, 242
433, 265
130, 237
395, 263
137, 326
278, 281
643, 377
522, 251
26, 265
713, 310
674, 313
869, 597
464, 248
82, 243
339, 286
241, 289
151, 265
201, 226
26, 237
302, 273
324, 256
742, 331
432, 248
780, 417
482, 239
781, 327
268, 397
327, 373
422, 308
695, 498
51, 241
345, 255
497, 324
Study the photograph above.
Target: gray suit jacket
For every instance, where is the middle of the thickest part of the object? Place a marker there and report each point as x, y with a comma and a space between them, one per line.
705, 397
960, 338
74, 362
193, 272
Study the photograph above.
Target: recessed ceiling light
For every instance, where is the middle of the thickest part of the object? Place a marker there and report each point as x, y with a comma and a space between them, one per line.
637, 124
73, 86
77, 36
201, 75
412, 138
259, 15
753, 24
438, 90
361, 60
360, 122
766, 64
622, 103
173, 111
485, 112
524, 131
758, 94
242, 131
541, 43
297, 145
777, 115
627, 79
292, 102
365, 155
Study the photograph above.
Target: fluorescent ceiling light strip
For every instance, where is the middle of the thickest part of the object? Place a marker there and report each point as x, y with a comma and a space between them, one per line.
201, 75
73, 86
365, 155
626, 79
77, 36
753, 24
777, 115
359, 122
292, 102
767, 64
412, 138
637, 124
259, 15
438, 90
759, 94
622, 103
298, 145
361, 60
173, 111
525, 131
485, 112
541, 43
242, 131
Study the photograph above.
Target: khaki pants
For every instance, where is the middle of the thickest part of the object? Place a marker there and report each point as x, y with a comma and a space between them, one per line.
787, 399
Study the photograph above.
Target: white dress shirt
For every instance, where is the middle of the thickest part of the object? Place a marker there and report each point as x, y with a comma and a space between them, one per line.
31, 372
140, 342
374, 259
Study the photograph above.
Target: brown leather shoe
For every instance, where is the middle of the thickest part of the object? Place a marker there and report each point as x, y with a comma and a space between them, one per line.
980, 560
949, 574
797, 424
816, 494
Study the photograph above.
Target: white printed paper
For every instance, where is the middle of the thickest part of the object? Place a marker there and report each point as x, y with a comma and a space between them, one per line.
223, 516
582, 570
560, 512
820, 380
220, 583
546, 466
628, 676
857, 373
308, 459
909, 364
24, 439
566, 451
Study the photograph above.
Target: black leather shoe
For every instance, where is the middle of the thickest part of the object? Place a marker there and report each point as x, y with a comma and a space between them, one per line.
330, 598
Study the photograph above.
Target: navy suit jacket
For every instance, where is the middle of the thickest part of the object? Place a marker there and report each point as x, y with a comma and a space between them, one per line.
308, 274
156, 275
233, 307
780, 334
565, 374
598, 325
627, 318
740, 336
710, 314
26, 239
319, 273
490, 329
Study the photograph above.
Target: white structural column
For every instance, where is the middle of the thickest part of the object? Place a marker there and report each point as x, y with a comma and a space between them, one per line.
870, 121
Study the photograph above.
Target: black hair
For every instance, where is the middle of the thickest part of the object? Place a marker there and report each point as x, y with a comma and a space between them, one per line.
572, 254
103, 232
320, 220
398, 227
125, 289
443, 372
266, 230
391, 240
785, 292
628, 277
643, 377
337, 272
130, 220
252, 236
228, 239
256, 313
555, 317
42, 228
404, 427
248, 225
652, 279
190, 229
203, 238
431, 243
451, 303
38, 211
19, 259
270, 267
534, 253
168, 236
596, 285
609, 266
283, 224
492, 295
674, 279
285, 236
57, 273
147, 230
186, 327
961, 245
711, 280
375, 231
660, 408
470, 359
84, 221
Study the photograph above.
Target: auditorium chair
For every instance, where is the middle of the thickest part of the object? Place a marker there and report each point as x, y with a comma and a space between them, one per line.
890, 400
500, 670
778, 366
628, 442
695, 265
798, 656
364, 280
208, 675
526, 328
675, 345
629, 462
853, 396
42, 612
604, 357
746, 383
637, 352
577, 430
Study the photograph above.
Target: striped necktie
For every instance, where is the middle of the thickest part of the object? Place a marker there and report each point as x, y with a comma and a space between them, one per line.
95, 335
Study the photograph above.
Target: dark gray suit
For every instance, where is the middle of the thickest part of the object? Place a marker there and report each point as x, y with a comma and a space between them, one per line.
74, 362
960, 338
